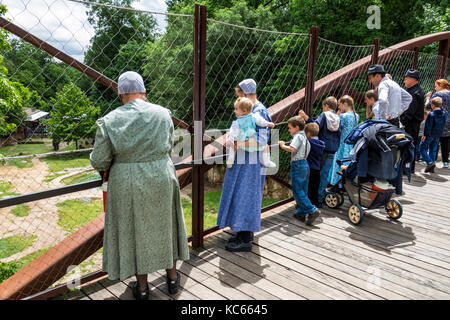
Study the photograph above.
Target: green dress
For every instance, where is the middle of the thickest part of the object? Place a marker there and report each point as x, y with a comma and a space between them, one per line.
144, 223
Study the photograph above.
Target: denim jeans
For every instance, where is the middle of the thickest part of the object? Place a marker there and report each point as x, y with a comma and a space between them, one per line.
428, 149
300, 180
325, 165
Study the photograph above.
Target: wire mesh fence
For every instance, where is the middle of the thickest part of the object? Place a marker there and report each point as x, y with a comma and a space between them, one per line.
48, 118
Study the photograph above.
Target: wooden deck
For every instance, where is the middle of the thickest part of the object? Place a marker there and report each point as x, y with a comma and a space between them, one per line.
380, 259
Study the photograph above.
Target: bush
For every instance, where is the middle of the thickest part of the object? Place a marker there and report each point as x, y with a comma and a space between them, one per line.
7, 269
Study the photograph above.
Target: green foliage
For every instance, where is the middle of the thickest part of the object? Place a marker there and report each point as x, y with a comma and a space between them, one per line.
59, 162
27, 148
21, 210
74, 214
5, 187
21, 163
81, 177
14, 244
7, 269
73, 115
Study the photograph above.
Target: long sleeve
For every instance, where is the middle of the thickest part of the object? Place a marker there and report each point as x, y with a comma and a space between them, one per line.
102, 155
233, 134
428, 125
259, 120
406, 100
383, 99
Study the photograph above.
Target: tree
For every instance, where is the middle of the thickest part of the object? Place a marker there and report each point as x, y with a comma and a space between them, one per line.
11, 94
73, 116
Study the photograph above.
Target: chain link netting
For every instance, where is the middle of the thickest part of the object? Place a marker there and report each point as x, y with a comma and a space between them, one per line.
53, 107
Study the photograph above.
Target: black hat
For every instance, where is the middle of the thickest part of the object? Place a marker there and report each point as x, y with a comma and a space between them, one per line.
413, 74
376, 68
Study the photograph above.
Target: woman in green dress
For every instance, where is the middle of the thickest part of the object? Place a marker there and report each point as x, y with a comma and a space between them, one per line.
144, 224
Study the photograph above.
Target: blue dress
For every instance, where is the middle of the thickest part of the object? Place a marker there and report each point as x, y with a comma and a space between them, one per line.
348, 123
243, 186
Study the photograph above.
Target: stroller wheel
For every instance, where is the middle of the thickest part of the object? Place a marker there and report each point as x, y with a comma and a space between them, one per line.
355, 214
341, 199
332, 200
394, 209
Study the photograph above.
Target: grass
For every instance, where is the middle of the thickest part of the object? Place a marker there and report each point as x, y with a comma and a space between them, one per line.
21, 163
39, 146
14, 244
212, 200
7, 269
21, 210
81, 177
5, 186
53, 176
59, 162
73, 214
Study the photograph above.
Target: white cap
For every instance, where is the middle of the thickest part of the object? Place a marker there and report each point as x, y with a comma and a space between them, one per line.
131, 82
248, 86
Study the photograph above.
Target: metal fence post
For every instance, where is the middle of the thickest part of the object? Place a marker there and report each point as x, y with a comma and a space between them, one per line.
444, 51
198, 171
415, 58
311, 69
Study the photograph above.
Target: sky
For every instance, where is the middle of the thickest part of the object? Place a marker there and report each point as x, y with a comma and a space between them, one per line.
63, 23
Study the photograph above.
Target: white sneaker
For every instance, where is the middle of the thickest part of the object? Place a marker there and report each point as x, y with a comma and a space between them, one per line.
446, 165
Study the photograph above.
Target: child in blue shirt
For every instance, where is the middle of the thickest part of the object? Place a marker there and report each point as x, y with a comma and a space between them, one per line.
330, 129
317, 147
434, 127
299, 149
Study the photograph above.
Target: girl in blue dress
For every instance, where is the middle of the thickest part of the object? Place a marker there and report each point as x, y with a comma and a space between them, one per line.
349, 119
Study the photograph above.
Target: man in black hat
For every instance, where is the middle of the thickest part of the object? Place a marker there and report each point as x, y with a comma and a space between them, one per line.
392, 99
413, 116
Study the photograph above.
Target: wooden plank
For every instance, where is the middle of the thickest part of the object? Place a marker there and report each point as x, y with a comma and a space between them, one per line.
226, 277
96, 291
293, 275
156, 293
410, 251
118, 289
366, 245
258, 280
290, 240
76, 294
343, 250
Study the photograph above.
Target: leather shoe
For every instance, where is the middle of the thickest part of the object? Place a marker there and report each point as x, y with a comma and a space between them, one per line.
138, 294
311, 217
430, 167
173, 284
301, 217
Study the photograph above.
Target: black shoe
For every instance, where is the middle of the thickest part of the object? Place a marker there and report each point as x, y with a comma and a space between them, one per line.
173, 285
138, 294
239, 246
311, 217
233, 238
300, 217
430, 167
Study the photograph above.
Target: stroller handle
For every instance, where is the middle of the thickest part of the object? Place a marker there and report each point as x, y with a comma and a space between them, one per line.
341, 161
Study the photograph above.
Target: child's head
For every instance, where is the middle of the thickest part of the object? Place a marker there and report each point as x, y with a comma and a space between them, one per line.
296, 124
312, 130
329, 104
239, 92
436, 103
242, 107
370, 98
346, 103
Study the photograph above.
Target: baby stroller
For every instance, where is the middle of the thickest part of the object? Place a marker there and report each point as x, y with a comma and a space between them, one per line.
381, 153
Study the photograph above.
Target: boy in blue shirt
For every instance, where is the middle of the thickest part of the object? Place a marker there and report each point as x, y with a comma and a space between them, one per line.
330, 133
434, 127
317, 147
299, 149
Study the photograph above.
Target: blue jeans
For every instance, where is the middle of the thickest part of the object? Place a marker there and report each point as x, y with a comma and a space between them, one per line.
428, 149
300, 180
325, 165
